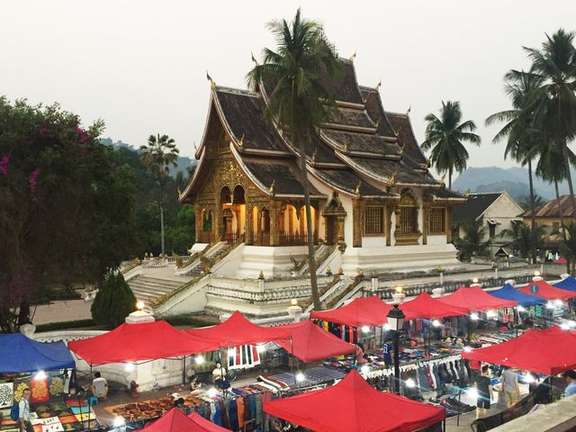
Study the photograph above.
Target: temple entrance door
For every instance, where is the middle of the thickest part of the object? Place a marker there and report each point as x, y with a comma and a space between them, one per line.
331, 230
227, 219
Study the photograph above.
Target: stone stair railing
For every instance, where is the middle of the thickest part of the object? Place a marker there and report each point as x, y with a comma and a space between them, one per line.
345, 291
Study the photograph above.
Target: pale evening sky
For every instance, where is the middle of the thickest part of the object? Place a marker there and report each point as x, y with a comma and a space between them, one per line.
141, 65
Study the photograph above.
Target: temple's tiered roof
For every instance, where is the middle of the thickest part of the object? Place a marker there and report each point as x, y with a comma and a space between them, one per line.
362, 151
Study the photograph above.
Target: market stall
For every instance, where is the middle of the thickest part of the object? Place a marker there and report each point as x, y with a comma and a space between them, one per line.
508, 292
138, 342
362, 311
45, 369
354, 405
550, 351
540, 288
475, 299
424, 306
310, 343
176, 421
568, 283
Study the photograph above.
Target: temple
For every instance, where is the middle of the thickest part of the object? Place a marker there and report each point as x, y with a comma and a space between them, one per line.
376, 207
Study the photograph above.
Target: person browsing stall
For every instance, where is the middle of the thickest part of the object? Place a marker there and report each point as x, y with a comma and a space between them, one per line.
24, 412
570, 377
99, 386
484, 388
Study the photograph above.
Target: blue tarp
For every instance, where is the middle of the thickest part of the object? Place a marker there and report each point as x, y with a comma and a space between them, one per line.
19, 353
568, 284
508, 292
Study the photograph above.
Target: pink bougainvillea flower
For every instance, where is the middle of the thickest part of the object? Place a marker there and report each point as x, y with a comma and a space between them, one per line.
33, 180
4, 163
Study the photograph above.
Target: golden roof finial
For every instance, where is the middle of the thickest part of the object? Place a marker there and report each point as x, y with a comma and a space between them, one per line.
353, 56
241, 142
357, 190
272, 187
212, 83
408, 110
378, 85
346, 147
195, 147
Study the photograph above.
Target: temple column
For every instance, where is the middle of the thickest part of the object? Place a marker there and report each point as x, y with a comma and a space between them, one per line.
448, 224
340, 229
357, 222
389, 212
274, 223
302, 225
248, 238
217, 222
316, 224
197, 223
425, 223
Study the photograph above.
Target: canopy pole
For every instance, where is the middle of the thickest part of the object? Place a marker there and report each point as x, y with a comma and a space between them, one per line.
89, 401
184, 370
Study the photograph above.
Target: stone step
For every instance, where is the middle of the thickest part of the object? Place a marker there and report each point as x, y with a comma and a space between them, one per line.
159, 281
155, 285
148, 290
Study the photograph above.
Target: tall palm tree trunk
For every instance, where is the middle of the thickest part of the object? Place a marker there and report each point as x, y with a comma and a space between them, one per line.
562, 226
532, 212
310, 237
450, 179
569, 177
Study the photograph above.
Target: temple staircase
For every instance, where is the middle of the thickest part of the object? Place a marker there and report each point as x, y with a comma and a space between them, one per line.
324, 255
150, 289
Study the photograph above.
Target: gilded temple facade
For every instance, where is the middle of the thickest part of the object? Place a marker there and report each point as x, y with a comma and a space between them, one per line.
375, 205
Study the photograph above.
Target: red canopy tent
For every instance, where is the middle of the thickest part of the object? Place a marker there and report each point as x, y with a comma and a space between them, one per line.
136, 342
176, 421
475, 299
236, 331
360, 311
424, 306
550, 351
541, 288
310, 343
353, 405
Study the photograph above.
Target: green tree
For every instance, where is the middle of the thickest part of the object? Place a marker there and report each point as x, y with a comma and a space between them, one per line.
67, 208
114, 301
524, 239
298, 100
568, 247
445, 137
472, 243
555, 64
526, 201
158, 155
522, 136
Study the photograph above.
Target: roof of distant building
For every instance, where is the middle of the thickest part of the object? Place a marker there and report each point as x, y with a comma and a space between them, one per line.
475, 206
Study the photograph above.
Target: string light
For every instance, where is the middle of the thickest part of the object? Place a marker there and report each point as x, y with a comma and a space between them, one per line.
521, 308
558, 303
140, 305
129, 367
491, 314
410, 383
231, 352
365, 369
40, 375
199, 359
260, 348
300, 377
387, 327
472, 393
549, 305
474, 316
529, 378
212, 392
365, 329
436, 323
118, 422
467, 349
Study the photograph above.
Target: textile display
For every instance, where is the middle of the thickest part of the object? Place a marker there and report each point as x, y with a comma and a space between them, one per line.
6, 394
39, 390
243, 357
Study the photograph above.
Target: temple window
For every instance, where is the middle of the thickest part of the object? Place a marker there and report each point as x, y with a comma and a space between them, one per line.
408, 220
437, 220
373, 220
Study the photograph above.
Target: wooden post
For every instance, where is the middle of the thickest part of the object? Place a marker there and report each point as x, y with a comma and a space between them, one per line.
357, 222
425, 223
248, 238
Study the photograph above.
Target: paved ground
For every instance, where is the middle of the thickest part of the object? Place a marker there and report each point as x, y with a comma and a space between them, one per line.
61, 311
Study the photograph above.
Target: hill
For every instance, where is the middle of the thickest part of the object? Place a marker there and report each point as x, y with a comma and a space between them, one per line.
184, 163
512, 180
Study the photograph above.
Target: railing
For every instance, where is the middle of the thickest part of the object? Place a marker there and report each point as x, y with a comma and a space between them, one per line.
447, 286
287, 239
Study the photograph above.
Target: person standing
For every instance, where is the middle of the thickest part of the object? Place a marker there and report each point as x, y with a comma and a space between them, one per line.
570, 389
24, 412
510, 386
99, 386
484, 388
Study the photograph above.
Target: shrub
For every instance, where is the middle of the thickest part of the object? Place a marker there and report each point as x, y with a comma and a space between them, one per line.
113, 302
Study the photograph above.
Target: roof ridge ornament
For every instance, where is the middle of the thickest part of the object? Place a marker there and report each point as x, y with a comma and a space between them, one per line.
353, 56
377, 88
409, 109
241, 142
357, 190
272, 188
209, 78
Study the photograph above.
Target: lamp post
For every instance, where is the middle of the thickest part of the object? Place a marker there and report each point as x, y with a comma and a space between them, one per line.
396, 322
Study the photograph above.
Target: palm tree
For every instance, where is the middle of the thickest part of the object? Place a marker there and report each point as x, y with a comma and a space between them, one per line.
555, 112
446, 136
472, 243
298, 102
158, 155
519, 131
526, 201
524, 239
